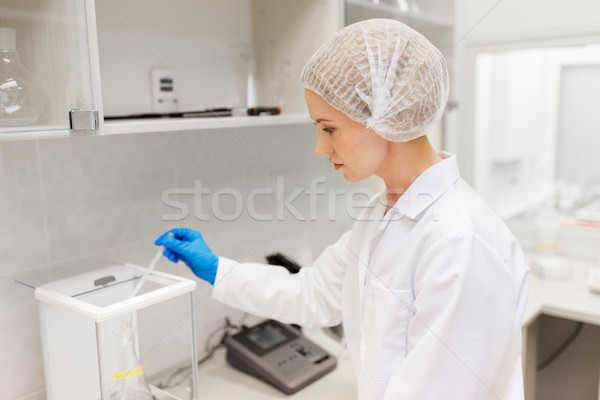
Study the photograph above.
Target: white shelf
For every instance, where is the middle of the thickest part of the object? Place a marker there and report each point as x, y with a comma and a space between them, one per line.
116, 127
192, 124
26, 133
396, 12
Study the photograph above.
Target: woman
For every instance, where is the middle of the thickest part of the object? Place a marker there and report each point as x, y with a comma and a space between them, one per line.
429, 283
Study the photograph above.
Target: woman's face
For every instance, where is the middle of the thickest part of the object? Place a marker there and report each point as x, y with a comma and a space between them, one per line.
353, 149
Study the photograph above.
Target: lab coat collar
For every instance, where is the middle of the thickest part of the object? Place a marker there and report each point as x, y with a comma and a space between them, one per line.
425, 190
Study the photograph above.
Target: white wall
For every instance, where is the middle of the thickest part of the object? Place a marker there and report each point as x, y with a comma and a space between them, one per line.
67, 200
486, 20
283, 47
201, 41
207, 45
508, 24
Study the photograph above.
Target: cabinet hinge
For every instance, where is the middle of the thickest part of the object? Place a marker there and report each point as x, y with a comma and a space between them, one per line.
83, 120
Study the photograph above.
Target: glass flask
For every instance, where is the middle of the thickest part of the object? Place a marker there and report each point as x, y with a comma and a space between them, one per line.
22, 101
129, 373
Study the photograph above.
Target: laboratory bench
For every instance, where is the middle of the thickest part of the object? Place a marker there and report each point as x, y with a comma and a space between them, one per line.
218, 380
568, 298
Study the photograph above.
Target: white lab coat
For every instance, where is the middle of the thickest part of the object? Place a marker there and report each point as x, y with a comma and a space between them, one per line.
431, 306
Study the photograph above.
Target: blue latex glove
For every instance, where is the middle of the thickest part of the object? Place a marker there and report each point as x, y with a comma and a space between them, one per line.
188, 246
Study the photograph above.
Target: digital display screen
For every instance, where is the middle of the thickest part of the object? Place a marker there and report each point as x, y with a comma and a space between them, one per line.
267, 337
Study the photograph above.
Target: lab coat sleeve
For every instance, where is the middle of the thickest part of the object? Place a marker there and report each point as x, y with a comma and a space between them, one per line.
310, 297
464, 337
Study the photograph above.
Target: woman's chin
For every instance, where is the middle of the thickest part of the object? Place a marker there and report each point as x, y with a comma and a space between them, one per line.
353, 178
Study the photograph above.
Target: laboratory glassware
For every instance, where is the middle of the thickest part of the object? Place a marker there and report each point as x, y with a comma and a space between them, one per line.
22, 100
128, 375
100, 341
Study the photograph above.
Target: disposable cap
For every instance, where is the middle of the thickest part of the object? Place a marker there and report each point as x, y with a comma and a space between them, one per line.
383, 74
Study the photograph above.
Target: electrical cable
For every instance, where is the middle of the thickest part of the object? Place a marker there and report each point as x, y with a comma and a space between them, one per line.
209, 353
243, 318
561, 348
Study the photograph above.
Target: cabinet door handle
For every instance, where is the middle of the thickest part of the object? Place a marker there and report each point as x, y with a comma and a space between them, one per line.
83, 120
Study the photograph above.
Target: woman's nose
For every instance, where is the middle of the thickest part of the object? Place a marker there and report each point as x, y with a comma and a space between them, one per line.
323, 147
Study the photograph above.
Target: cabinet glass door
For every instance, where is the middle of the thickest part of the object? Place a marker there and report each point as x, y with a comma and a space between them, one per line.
44, 66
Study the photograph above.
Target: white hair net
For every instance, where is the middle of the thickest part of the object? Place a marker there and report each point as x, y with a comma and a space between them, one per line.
383, 74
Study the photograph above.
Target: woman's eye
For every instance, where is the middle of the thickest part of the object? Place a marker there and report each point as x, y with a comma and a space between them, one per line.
326, 129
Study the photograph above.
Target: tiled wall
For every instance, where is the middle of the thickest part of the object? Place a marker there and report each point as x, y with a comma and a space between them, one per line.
68, 200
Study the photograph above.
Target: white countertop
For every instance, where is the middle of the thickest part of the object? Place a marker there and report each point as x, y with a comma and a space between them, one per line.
566, 298
218, 380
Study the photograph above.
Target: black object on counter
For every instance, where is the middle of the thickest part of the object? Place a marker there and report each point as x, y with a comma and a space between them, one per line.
279, 259
209, 113
263, 111
292, 266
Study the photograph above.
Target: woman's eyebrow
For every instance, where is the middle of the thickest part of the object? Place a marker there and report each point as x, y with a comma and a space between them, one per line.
322, 120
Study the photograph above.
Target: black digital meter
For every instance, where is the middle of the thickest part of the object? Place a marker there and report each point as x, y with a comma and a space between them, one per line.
278, 354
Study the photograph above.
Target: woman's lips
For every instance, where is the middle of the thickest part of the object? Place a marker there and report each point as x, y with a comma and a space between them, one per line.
337, 166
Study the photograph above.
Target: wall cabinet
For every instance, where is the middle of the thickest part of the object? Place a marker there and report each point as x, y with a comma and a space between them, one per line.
55, 41
104, 56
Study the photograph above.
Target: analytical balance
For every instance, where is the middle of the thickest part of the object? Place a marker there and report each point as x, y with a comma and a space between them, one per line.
100, 341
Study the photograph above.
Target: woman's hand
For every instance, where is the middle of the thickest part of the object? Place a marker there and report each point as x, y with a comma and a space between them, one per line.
188, 246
